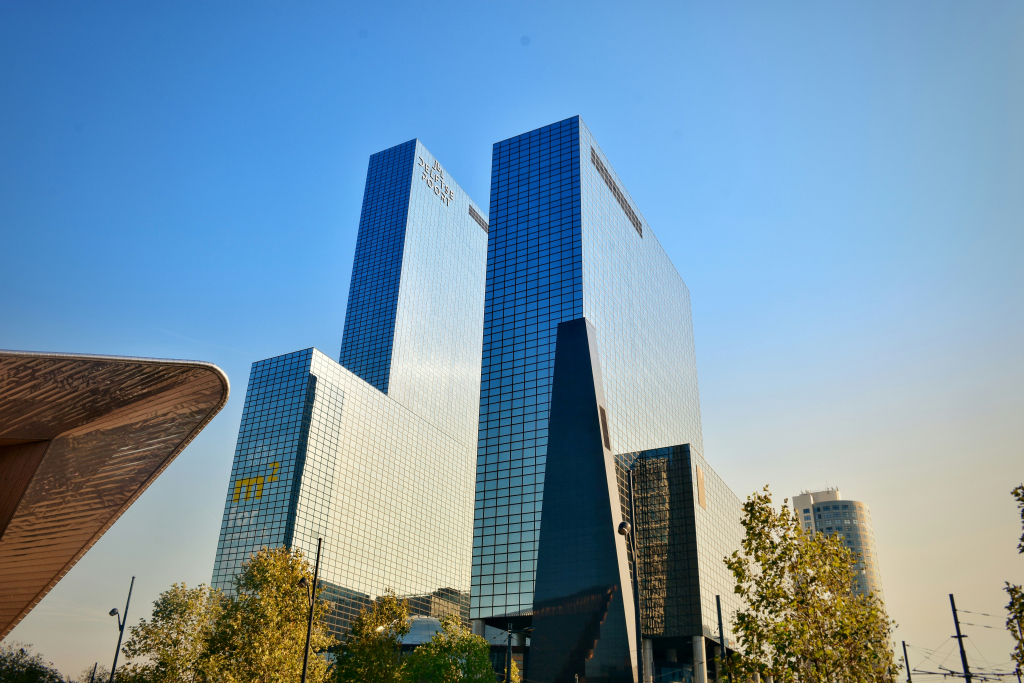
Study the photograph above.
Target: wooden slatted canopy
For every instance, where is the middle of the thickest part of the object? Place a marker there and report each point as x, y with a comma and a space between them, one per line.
81, 437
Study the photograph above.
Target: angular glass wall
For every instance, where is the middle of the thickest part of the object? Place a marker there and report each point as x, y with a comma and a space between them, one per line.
534, 282
566, 242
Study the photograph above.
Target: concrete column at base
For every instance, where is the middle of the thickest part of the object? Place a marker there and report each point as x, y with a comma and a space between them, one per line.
648, 650
770, 679
700, 667
479, 627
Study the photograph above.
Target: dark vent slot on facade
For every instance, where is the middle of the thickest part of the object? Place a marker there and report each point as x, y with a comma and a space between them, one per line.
478, 218
616, 192
604, 428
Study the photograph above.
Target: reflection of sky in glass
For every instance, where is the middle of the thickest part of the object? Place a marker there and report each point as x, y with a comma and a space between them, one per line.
378, 458
561, 247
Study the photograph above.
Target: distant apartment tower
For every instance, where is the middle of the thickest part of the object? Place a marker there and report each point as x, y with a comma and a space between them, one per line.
375, 454
589, 375
827, 512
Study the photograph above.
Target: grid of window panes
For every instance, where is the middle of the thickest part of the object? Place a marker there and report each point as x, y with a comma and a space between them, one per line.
563, 247
387, 491
383, 471
435, 358
640, 306
681, 542
376, 271
852, 520
534, 282
719, 534
259, 500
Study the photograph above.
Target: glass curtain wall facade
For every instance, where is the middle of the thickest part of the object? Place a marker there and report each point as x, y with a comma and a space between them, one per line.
567, 242
687, 520
376, 458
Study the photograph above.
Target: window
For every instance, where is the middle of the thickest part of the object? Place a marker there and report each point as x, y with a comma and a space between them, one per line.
806, 510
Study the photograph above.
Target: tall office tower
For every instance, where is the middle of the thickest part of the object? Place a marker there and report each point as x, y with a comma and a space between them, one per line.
827, 512
375, 454
589, 375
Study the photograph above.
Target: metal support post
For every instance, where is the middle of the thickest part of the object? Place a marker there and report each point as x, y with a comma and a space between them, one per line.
906, 661
120, 627
508, 656
312, 604
960, 640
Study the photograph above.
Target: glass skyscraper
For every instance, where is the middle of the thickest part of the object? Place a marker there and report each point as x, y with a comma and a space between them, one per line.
375, 454
828, 513
572, 265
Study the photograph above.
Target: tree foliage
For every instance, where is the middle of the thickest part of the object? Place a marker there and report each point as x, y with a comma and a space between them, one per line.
258, 635
261, 635
1015, 608
372, 650
102, 674
453, 655
175, 641
803, 622
19, 665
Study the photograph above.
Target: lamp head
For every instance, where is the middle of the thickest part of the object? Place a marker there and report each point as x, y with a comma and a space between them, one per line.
113, 612
624, 528
303, 583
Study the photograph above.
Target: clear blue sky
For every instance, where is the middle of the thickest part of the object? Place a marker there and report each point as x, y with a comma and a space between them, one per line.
841, 185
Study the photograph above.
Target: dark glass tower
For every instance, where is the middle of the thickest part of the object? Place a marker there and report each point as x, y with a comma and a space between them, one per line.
574, 273
375, 454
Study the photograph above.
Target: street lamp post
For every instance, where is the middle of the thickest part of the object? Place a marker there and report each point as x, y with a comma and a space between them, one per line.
312, 602
120, 628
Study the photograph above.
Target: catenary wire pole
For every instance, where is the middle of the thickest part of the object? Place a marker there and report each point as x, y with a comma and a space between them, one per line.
906, 660
92, 678
120, 627
960, 640
312, 604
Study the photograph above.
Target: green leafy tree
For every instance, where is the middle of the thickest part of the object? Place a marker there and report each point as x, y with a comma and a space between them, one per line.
261, 634
1015, 608
453, 655
19, 665
372, 650
174, 643
102, 674
803, 622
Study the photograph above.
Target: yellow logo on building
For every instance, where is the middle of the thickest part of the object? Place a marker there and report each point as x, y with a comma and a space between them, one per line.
252, 487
